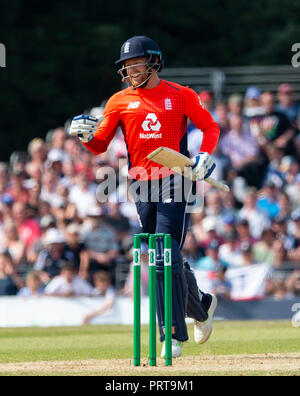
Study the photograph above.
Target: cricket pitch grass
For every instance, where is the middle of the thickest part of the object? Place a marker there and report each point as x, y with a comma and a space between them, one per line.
235, 348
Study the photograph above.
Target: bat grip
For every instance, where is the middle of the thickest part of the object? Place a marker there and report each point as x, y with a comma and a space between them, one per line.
217, 184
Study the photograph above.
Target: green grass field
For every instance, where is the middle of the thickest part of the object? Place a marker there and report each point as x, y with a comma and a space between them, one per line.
235, 348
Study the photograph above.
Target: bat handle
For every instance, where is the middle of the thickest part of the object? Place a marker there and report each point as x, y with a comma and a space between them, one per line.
217, 184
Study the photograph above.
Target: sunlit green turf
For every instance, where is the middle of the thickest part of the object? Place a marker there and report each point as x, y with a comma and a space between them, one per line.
115, 342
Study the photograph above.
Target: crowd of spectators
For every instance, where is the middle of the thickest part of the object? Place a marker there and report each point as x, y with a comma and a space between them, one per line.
56, 238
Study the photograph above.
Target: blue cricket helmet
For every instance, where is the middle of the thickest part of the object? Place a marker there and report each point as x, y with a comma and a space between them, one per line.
140, 46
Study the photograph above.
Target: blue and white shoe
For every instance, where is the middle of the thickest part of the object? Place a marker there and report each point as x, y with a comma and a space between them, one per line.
203, 330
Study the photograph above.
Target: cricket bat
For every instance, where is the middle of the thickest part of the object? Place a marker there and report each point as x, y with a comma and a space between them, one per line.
178, 162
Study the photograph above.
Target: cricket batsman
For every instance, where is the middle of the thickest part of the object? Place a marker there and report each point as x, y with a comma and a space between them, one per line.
152, 113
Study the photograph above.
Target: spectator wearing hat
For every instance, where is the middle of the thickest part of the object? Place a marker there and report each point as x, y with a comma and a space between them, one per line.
103, 288
54, 255
68, 284
287, 105
6, 205
253, 106
33, 286
210, 226
211, 260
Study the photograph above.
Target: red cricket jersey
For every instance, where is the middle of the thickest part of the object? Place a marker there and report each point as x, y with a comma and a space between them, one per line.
151, 118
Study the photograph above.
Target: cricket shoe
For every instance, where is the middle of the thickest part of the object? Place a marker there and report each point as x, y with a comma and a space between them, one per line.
203, 330
176, 348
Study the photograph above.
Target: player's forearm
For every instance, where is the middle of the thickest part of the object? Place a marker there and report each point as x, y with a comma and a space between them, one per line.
210, 138
96, 145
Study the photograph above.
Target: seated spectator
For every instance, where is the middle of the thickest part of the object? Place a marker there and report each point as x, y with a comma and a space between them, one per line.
33, 286
230, 249
286, 104
274, 126
276, 289
209, 226
222, 162
257, 220
28, 228
221, 287
10, 282
243, 232
235, 105
54, 255
37, 152
207, 100
128, 288
49, 184
252, 103
16, 189
83, 194
117, 221
262, 250
247, 254
191, 251
68, 284
222, 117
78, 249
100, 242
14, 245
211, 261
238, 144
293, 283
268, 202
294, 254
285, 207
280, 227
280, 254
103, 288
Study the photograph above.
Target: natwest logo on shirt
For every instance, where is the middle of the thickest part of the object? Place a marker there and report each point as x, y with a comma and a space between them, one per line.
151, 123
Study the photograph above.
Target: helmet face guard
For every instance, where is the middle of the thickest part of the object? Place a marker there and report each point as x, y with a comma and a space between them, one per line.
151, 67
140, 47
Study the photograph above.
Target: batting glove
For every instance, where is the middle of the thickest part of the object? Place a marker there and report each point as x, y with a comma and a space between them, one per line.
84, 127
203, 167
